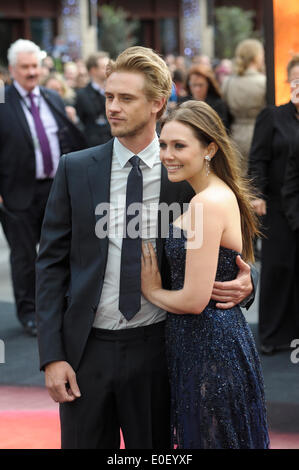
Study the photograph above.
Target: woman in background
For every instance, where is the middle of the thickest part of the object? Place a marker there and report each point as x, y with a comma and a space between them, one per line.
275, 130
202, 85
55, 81
245, 95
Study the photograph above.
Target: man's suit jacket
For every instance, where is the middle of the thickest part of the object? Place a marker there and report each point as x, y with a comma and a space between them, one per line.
90, 105
17, 156
71, 263
290, 189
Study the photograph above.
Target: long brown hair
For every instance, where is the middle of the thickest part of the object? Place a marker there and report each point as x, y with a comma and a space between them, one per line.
208, 127
206, 72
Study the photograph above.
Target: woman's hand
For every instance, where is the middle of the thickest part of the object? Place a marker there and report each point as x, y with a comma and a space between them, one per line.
150, 275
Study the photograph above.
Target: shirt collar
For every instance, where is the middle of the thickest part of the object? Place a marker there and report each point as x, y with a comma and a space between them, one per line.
23, 92
97, 87
149, 155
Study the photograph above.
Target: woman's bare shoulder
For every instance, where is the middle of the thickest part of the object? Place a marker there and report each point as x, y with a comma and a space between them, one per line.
218, 195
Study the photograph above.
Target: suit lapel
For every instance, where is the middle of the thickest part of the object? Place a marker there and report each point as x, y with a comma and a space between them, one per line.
50, 102
162, 198
99, 176
164, 184
15, 100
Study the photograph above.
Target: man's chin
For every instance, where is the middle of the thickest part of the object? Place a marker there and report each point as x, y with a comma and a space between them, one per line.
118, 133
127, 132
122, 132
29, 86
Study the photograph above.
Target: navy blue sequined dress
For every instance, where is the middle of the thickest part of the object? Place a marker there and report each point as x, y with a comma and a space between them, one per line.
217, 391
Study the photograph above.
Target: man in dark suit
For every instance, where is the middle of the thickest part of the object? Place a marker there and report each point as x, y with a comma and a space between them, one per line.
290, 188
34, 132
101, 343
90, 101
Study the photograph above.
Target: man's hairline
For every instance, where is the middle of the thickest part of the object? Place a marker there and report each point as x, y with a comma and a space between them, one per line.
39, 62
133, 72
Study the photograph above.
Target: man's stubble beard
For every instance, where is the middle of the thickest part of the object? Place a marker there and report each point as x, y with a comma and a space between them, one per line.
130, 132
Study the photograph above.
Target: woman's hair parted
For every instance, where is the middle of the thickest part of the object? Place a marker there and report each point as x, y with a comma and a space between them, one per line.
137, 59
207, 127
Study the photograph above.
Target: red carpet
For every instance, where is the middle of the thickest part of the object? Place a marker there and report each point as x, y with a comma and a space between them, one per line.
29, 420
34, 429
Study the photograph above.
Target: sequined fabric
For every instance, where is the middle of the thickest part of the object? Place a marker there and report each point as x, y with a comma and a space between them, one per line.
217, 389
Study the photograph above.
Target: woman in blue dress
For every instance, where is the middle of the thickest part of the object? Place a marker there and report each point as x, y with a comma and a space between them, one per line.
217, 388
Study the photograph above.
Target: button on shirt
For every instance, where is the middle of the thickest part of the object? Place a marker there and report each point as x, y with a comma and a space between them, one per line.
49, 124
108, 315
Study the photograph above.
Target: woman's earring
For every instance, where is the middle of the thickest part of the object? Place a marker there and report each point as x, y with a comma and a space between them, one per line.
207, 159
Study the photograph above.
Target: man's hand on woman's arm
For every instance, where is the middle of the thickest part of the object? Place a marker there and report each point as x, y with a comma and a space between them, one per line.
230, 293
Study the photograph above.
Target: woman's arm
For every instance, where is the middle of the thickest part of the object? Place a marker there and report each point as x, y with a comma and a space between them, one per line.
206, 225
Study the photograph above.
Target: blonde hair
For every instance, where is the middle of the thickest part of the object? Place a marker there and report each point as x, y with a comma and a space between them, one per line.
158, 82
246, 52
68, 92
208, 127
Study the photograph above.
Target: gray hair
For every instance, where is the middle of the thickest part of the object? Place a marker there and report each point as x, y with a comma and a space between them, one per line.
22, 45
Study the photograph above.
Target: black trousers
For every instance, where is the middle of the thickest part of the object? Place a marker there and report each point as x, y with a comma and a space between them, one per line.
278, 307
124, 384
22, 230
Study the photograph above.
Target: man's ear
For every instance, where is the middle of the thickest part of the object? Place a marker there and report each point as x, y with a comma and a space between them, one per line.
158, 105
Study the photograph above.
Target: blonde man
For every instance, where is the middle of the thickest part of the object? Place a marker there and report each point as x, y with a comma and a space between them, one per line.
34, 131
101, 343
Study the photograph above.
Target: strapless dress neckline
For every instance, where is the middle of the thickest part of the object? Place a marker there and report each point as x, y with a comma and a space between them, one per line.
221, 247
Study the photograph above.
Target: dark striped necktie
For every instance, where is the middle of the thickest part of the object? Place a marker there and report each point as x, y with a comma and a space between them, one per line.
130, 269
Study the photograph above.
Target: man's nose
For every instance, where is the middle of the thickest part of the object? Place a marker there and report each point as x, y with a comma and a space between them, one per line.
114, 105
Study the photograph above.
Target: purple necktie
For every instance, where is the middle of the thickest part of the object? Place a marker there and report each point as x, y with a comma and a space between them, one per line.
42, 137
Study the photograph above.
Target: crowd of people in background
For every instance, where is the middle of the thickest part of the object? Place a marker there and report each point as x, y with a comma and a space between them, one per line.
198, 78
265, 136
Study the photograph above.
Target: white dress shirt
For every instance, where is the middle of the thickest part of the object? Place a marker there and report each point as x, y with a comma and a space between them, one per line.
108, 315
50, 126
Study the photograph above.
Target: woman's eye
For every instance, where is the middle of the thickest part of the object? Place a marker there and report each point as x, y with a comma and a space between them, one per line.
162, 145
179, 146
